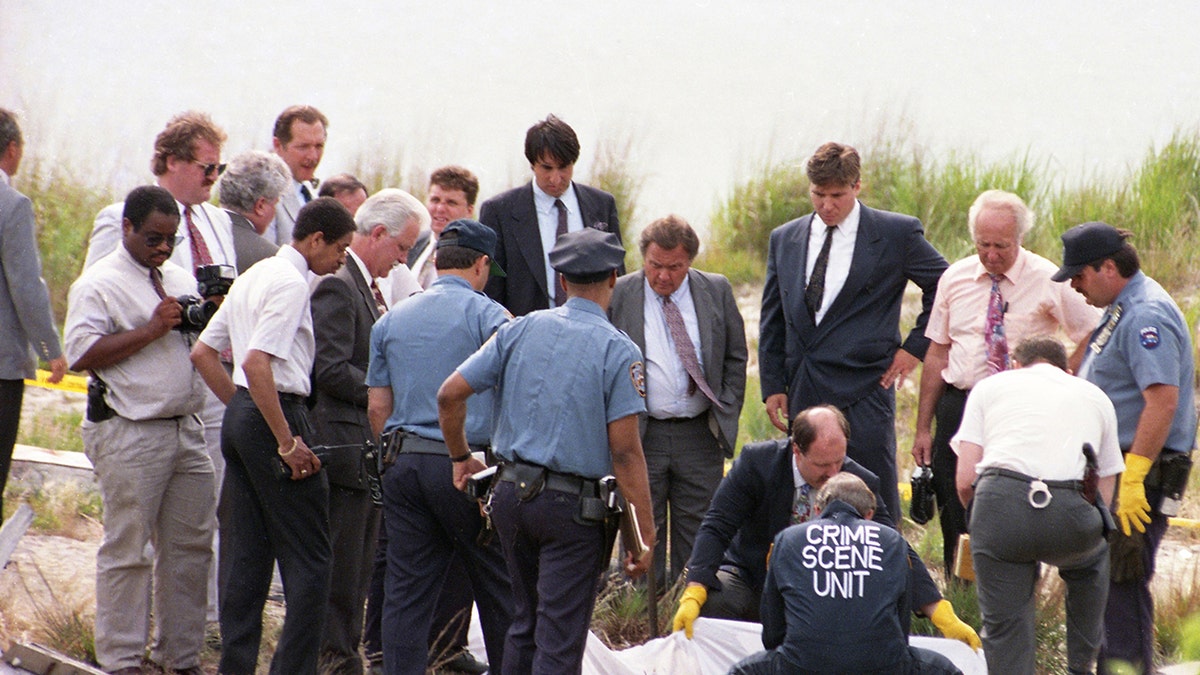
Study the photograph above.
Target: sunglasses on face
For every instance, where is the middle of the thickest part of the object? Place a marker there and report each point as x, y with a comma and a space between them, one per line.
155, 239
210, 169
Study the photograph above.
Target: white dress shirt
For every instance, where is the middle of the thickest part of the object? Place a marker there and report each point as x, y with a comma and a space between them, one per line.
666, 379
547, 215
841, 251
268, 309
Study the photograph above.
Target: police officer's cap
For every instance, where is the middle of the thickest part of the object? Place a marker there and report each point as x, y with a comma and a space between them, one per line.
587, 252
1085, 244
474, 235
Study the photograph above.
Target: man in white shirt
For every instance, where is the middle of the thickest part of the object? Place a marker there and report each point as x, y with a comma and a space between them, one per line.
146, 442
186, 162
1022, 459
687, 324
299, 138
266, 323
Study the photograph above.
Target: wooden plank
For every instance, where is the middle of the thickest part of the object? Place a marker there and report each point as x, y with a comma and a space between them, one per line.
41, 660
14, 528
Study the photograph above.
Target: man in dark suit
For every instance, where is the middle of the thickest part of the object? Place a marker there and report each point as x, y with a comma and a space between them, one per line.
829, 331
529, 219
250, 190
345, 306
687, 324
771, 486
25, 317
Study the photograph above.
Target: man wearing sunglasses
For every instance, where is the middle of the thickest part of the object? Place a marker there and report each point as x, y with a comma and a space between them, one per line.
145, 439
186, 162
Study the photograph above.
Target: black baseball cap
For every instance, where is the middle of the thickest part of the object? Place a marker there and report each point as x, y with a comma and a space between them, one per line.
1087, 243
586, 252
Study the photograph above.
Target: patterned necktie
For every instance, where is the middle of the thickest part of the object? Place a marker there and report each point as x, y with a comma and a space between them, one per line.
687, 352
305, 193
993, 330
802, 508
380, 303
156, 282
200, 254
560, 294
814, 293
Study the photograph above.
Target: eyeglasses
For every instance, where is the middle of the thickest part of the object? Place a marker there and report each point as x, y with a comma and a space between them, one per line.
156, 239
210, 169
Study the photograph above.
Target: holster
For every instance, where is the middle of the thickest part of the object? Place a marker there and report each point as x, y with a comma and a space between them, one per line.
1168, 476
97, 407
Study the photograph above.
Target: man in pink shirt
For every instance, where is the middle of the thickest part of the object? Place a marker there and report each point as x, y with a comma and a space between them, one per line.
985, 303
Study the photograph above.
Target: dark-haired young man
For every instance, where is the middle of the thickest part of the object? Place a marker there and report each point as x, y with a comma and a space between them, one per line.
144, 437
529, 219
830, 328
267, 323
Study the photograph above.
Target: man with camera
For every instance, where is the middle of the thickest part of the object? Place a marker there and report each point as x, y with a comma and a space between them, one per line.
414, 348
144, 437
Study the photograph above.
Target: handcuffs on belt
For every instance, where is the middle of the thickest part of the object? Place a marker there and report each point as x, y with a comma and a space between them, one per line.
1039, 491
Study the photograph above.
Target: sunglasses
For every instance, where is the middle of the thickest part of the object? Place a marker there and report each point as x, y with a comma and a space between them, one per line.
155, 239
210, 169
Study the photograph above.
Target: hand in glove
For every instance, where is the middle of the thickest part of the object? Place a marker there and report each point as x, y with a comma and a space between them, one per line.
1132, 507
689, 608
1126, 557
953, 627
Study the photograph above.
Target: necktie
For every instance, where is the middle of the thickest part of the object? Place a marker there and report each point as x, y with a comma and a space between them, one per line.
305, 193
200, 254
560, 295
801, 508
993, 330
428, 272
156, 282
380, 303
814, 293
687, 352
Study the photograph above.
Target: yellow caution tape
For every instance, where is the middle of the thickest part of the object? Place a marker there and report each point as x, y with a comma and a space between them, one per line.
75, 383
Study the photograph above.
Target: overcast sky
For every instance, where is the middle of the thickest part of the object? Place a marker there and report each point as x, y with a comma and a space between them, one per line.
706, 89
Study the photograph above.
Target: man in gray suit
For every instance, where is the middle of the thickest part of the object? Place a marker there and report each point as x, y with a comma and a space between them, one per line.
345, 306
690, 331
250, 190
299, 139
25, 318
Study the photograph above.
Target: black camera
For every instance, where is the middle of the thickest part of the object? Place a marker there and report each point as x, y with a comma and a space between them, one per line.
211, 280
214, 279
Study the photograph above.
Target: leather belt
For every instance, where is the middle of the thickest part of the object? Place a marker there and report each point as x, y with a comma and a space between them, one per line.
518, 472
419, 445
678, 420
1017, 475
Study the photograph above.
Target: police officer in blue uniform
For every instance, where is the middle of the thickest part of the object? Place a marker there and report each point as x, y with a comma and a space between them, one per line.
1141, 356
414, 348
569, 387
837, 584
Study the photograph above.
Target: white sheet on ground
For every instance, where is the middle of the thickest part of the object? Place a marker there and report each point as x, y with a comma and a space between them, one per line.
716, 645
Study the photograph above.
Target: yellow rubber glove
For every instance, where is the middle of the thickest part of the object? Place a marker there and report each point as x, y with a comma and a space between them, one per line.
1132, 506
953, 627
689, 608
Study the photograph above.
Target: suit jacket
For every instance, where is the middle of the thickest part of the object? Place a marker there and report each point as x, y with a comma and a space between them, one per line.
722, 342
841, 360
513, 216
25, 317
248, 244
754, 503
286, 211
344, 311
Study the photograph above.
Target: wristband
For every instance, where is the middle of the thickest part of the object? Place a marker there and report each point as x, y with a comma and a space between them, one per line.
461, 458
295, 442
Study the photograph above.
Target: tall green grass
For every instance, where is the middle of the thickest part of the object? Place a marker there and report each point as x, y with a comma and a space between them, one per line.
1159, 201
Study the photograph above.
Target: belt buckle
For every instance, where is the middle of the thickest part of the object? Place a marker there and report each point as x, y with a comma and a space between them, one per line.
1039, 494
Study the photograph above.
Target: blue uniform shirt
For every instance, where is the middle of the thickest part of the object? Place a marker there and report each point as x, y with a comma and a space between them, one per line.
562, 375
420, 342
1150, 344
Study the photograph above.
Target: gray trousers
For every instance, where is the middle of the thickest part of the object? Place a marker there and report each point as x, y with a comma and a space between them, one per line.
685, 465
156, 481
1009, 538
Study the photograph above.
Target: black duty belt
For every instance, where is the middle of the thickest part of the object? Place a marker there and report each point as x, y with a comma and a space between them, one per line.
419, 445
521, 472
1039, 490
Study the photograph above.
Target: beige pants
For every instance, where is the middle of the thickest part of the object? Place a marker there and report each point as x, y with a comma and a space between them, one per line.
156, 481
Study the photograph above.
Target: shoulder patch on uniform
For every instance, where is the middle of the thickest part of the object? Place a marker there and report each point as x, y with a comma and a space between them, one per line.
1149, 337
637, 375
